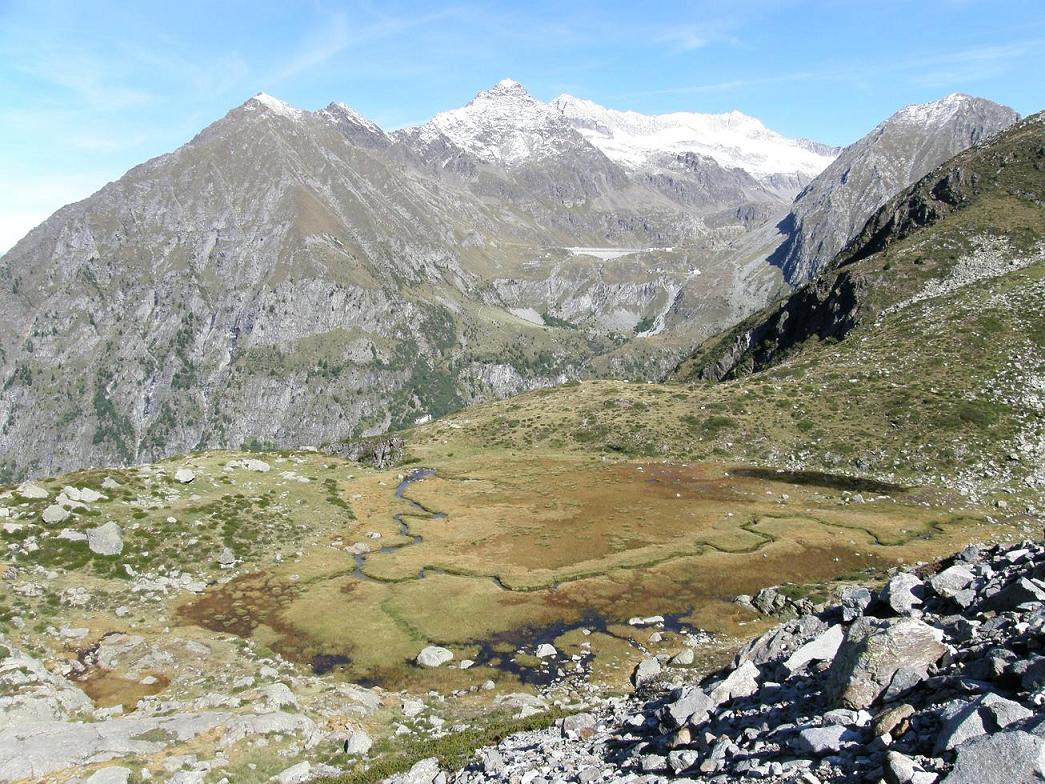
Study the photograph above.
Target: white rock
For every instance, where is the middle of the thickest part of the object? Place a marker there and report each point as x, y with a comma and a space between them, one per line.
32, 491
823, 648
358, 742
683, 658
424, 772
184, 475
646, 670
106, 539
54, 514
434, 656
278, 695
742, 682
83, 494
545, 650
249, 464
650, 621
114, 775
412, 708
295, 774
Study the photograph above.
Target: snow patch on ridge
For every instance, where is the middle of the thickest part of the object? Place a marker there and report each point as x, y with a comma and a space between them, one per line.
934, 112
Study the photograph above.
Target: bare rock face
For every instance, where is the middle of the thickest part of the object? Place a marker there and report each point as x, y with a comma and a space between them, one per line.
874, 651
1004, 758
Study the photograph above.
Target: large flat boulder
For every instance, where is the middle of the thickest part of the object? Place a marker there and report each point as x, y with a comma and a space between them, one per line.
823, 648
106, 539
35, 749
434, 656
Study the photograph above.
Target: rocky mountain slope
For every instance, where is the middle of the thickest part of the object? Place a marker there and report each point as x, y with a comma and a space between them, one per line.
291, 277
837, 203
937, 677
975, 189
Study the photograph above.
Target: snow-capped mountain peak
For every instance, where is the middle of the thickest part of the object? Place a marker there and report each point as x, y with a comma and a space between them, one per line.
938, 111
503, 124
732, 139
266, 101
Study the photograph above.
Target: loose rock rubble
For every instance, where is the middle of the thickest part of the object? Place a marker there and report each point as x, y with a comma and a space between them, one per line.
936, 678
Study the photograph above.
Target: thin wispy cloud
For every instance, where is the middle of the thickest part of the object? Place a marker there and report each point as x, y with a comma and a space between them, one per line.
85, 79
942, 69
729, 85
684, 40
339, 33
974, 64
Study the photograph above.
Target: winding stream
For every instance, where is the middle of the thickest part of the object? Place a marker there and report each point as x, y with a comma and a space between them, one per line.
404, 529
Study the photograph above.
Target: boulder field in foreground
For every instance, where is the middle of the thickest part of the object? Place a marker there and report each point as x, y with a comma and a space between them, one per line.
937, 679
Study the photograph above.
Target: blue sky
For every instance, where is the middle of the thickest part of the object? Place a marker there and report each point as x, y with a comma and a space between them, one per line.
88, 89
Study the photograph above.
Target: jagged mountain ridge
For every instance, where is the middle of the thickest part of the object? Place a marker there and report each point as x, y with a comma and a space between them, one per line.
295, 277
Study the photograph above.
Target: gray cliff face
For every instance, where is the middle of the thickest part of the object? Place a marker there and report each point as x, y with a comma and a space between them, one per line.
904, 148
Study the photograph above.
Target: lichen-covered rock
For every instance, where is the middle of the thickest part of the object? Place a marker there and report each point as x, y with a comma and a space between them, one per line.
874, 650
